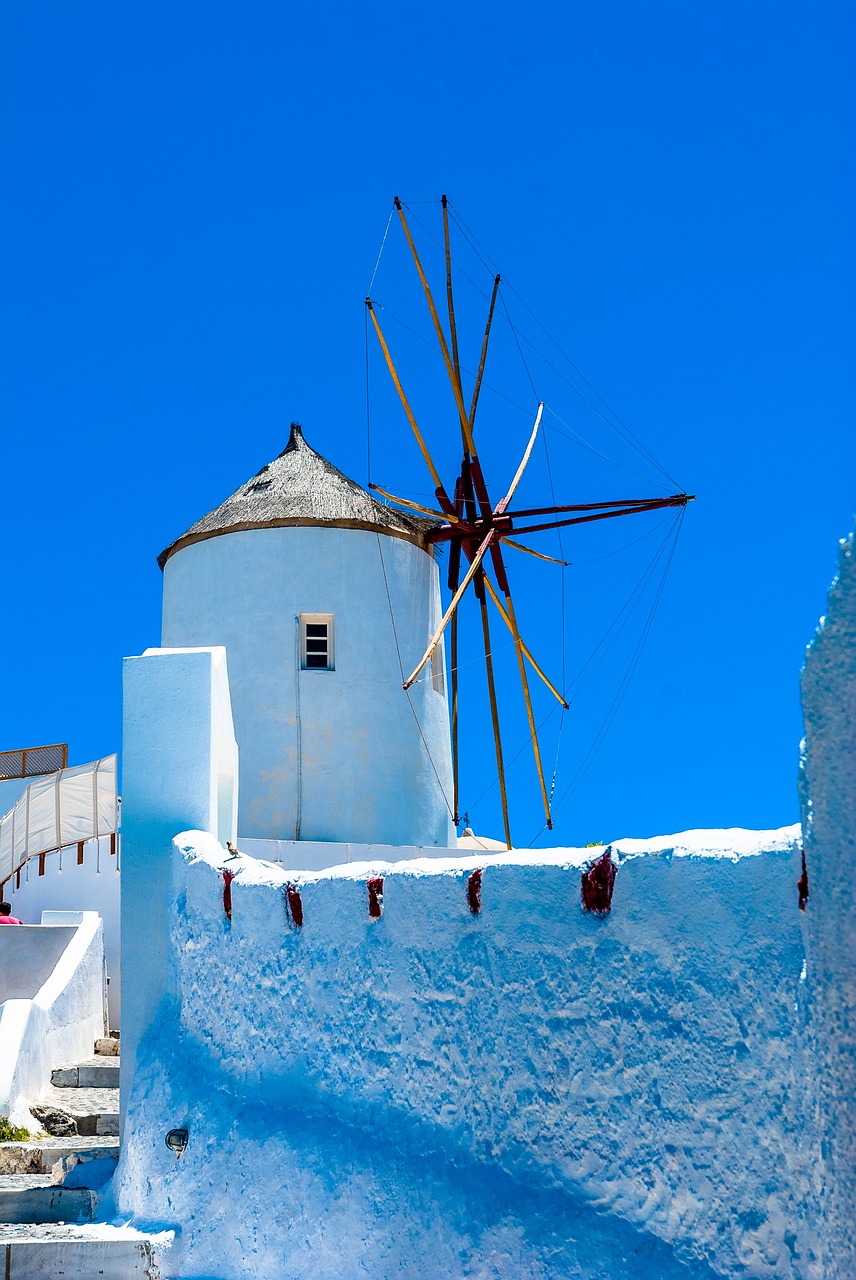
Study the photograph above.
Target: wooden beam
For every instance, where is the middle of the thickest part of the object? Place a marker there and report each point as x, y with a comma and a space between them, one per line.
494, 715
496, 600
415, 506
529, 712
456, 599
435, 475
518, 546
438, 328
477, 387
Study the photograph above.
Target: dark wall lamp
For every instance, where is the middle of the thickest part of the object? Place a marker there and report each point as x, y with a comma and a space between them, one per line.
176, 1140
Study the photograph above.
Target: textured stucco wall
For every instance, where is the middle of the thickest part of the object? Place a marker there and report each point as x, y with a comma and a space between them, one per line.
528, 1092
360, 770
829, 821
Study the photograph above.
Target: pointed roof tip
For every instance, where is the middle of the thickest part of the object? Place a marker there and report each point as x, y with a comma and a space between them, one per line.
300, 487
295, 439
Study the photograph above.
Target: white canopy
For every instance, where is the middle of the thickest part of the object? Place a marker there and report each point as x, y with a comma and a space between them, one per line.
60, 809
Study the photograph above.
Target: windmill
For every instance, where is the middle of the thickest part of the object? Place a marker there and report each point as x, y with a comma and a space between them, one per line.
476, 528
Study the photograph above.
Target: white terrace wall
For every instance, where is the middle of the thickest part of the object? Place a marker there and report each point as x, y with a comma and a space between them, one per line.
69, 886
829, 820
52, 1003
529, 1092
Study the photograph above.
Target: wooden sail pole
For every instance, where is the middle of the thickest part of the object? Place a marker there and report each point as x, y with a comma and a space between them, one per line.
529, 712
453, 332
438, 328
485, 545
445, 501
416, 506
502, 582
602, 515
496, 600
530, 551
453, 680
477, 387
518, 475
456, 600
453, 580
494, 715
673, 500
599, 510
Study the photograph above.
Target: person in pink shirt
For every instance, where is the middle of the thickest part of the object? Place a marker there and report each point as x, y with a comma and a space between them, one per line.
6, 916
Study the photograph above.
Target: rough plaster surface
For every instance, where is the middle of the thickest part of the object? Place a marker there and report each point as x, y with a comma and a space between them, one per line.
829, 819
530, 1092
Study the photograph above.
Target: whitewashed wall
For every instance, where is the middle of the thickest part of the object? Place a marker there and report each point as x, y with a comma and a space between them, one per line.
53, 1003
829, 820
180, 765
532, 1092
359, 769
65, 886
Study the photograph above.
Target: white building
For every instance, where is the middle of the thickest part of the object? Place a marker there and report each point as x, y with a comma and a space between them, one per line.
320, 595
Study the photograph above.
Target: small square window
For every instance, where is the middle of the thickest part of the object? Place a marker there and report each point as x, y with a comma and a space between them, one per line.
316, 642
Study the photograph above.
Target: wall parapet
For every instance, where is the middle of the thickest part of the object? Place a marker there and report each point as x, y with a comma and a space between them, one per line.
642, 1068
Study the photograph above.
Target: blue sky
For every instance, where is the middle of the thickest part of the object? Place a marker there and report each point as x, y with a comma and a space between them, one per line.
193, 197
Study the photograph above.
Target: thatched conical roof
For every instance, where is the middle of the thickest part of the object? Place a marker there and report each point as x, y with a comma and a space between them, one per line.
301, 488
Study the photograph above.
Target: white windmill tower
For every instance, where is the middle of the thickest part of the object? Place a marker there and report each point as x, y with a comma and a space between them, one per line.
323, 598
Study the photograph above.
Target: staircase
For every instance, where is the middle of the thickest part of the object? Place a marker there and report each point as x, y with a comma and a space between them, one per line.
49, 1185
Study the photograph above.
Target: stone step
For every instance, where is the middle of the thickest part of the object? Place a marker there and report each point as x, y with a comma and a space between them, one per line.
58, 1157
32, 1198
92, 1073
60, 1252
78, 1111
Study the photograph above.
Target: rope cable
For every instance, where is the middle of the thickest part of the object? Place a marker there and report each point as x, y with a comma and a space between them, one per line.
609, 719
368, 407
473, 241
549, 621
624, 431
629, 606
380, 251
434, 347
569, 434
517, 343
576, 438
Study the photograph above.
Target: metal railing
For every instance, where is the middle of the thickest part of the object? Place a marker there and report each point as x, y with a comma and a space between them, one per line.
30, 762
